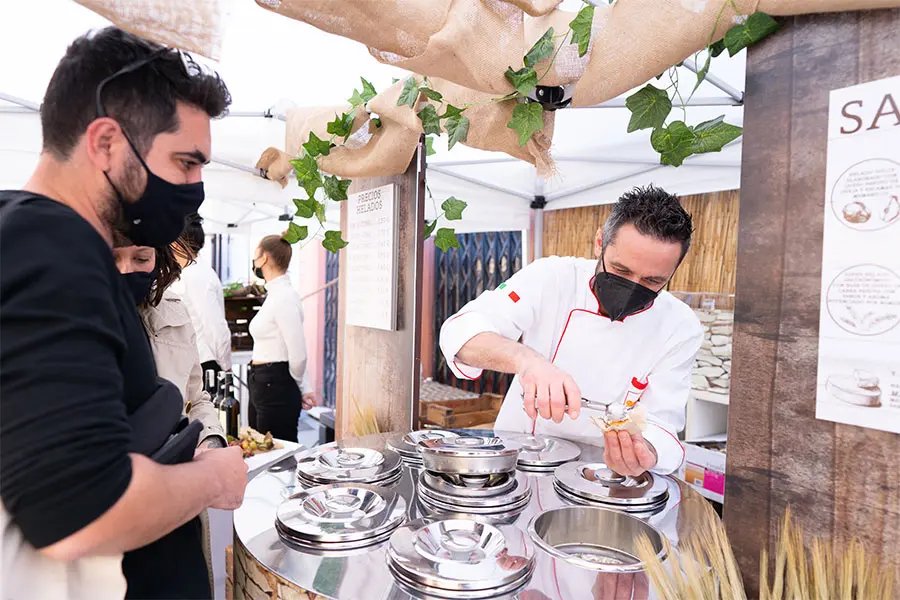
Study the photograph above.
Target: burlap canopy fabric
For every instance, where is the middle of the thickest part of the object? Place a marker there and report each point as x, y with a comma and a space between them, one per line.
196, 26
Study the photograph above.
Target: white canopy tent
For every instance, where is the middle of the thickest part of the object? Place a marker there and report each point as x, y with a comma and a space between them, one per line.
269, 62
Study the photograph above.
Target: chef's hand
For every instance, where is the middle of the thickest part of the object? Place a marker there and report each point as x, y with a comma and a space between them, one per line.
628, 454
548, 391
309, 400
621, 586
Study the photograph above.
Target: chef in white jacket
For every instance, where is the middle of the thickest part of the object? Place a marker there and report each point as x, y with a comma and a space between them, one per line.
603, 330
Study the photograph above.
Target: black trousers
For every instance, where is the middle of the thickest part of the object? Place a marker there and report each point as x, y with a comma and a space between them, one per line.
275, 400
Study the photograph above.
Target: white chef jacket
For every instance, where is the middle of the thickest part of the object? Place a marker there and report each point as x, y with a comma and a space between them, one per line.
277, 331
201, 290
654, 349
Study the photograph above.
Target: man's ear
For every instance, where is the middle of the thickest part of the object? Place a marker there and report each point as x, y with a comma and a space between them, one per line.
598, 243
103, 140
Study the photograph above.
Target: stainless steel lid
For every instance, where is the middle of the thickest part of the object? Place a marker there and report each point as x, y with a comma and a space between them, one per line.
337, 463
597, 539
473, 510
408, 446
638, 510
597, 482
543, 451
470, 455
518, 493
459, 556
468, 485
342, 512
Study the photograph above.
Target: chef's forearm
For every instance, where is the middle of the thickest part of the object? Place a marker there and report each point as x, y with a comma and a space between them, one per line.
494, 352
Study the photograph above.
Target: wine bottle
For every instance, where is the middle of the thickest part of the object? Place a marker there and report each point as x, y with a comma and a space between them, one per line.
220, 390
209, 383
230, 410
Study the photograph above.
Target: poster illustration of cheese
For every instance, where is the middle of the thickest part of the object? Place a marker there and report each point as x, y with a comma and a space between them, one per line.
859, 327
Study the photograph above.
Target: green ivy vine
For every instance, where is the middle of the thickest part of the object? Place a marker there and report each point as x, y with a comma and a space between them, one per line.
650, 107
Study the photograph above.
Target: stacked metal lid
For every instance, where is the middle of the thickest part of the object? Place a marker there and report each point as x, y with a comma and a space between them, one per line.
459, 558
408, 445
339, 517
595, 484
474, 476
542, 453
339, 463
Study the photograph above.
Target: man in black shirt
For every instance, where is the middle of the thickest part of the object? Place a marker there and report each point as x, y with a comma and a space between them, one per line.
126, 128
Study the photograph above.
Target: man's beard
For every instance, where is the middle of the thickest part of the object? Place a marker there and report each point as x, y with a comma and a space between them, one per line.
130, 186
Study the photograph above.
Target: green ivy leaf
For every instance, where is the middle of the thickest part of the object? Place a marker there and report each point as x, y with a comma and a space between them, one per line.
429, 146
394, 80
717, 48
711, 136
316, 147
342, 125
336, 188
524, 80
543, 48
431, 122
452, 111
527, 119
320, 213
457, 129
376, 121
368, 91
429, 228
756, 27
431, 94
673, 143
295, 233
649, 108
701, 74
409, 94
581, 29
453, 208
356, 99
333, 241
446, 239
306, 208
308, 176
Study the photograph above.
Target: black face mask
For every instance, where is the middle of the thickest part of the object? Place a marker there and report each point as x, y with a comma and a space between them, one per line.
140, 284
620, 297
257, 270
157, 218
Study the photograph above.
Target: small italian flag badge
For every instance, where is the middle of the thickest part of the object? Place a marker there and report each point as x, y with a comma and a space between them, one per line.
512, 295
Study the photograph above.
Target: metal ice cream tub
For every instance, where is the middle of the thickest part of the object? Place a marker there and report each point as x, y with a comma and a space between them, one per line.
470, 455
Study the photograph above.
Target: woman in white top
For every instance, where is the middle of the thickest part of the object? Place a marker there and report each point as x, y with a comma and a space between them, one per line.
278, 366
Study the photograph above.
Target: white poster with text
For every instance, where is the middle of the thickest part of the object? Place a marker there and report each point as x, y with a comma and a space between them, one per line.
859, 327
372, 259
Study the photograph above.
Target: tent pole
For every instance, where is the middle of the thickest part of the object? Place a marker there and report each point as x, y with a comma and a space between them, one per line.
537, 212
737, 95
490, 186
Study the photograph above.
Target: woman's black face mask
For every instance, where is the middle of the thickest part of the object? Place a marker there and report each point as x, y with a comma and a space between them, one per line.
620, 297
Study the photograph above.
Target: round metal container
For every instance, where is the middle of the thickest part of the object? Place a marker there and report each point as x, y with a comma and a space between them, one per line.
596, 482
407, 444
505, 497
642, 511
453, 507
458, 485
505, 517
597, 539
470, 455
337, 463
459, 558
542, 453
343, 512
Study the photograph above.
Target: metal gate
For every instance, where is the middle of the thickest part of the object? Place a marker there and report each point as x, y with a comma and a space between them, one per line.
329, 368
483, 261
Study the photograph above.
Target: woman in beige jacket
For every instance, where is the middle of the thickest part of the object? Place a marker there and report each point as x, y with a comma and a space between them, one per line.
149, 272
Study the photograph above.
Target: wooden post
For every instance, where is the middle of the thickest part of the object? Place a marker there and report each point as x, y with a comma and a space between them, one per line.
840, 481
382, 367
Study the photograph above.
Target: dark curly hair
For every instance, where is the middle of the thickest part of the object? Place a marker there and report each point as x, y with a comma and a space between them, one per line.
168, 269
142, 101
653, 212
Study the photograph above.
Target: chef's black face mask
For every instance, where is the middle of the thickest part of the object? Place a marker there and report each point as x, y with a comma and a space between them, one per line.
140, 283
620, 297
157, 217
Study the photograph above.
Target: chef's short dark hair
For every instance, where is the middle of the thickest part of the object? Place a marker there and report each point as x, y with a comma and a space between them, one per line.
193, 233
143, 101
653, 212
